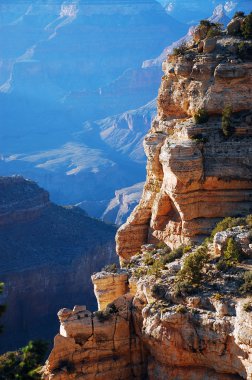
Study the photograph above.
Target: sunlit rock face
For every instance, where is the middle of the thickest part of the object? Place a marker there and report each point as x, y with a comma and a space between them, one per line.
105, 349
181, 319
195, 175
139, 333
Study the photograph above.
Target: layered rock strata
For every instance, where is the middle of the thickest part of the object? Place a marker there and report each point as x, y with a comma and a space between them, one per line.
152, 335
195, 174
21, 200
186, 312
109, 286
89, 347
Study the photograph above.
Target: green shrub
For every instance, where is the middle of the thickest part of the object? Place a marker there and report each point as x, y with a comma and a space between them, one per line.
246, 27
101, 315
181, 309
162, 245
215, 30
222, 265
156, 268
201, 116
239, 14
249, 220
217, 296
247, 307
194, 311
205, 23
158, 291
212, 29
148, 260
191, 273
139, 272
244, 50
186, 249
233, 252
180, 50
226, 223
110, 268
111, 308
25, 363
247, 285
104, 315
182, 287
199, 138
175, 254
226, 124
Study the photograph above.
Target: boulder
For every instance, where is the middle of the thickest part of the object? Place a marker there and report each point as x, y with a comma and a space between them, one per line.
209, 45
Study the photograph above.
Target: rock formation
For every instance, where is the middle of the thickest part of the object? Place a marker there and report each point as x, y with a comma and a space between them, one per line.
187, 304
109, 286
20, 200
195, 173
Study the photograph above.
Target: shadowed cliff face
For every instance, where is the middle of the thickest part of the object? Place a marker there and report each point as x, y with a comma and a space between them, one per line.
47, 256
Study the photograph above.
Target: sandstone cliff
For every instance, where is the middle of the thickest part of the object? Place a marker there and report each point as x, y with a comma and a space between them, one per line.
153, 331
186, 306
195, 173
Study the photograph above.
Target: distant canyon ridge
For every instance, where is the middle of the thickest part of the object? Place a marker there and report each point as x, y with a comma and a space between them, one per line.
78, 87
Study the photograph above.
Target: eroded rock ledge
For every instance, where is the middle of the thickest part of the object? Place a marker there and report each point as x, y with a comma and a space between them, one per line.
195, 174
153, 331
21, 200
185, 313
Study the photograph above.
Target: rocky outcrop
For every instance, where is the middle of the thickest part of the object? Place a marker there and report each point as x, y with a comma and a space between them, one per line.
89, 347
156, 333
195, 174
242, 235
109, 286
188, 305
21, 200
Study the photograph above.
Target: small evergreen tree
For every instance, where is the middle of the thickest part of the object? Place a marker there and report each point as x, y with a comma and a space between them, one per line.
246, 27
24, 364
201, 116
215, 30
226, 121
192, 268
205, 23
232, 253
239, 14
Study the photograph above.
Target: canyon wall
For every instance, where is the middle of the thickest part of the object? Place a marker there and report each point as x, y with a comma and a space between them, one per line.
48, 254
183, 309
195, 174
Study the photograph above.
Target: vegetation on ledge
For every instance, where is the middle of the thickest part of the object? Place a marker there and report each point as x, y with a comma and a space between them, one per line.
24, 364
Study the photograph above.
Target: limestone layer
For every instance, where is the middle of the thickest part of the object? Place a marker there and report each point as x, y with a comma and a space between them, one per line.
153, 332
109, 286
195, 174
89, 347
198, 327
143, 340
